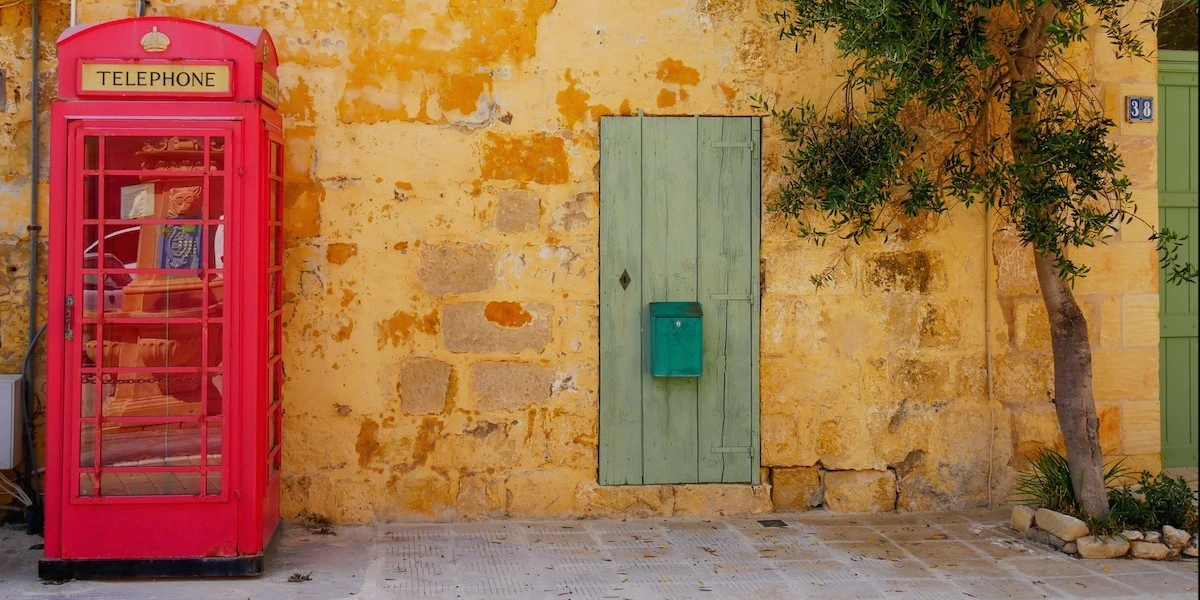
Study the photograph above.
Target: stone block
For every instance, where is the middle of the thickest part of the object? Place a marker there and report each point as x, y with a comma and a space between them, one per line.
516, 211
721, 500
860, 491
1176, 539
457, 268
1070, 548
1109, 322
625, 501
510, 385
1066, 527
496, 326
796, 488
1022, 518
1125, 374
1133, 535
543, 494
1139, 320
1091, 546
1129, 267
424, 385
1044, 537
1141, 432
1148, 550
1153, 537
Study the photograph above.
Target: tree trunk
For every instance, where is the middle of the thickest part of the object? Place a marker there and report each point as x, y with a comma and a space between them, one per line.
1073, 400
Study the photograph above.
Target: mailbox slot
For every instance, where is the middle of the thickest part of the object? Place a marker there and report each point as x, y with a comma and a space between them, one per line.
676, 331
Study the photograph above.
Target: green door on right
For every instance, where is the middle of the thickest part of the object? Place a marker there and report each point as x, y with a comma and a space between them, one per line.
1177, 192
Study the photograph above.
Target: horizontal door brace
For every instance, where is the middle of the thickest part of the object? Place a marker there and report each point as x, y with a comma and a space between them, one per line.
731, 297
732, 449
732, 144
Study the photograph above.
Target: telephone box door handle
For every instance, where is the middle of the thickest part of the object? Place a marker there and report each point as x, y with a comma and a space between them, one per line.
68, 314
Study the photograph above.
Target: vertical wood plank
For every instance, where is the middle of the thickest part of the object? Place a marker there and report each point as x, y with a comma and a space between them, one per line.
755, 290
620, 308
1179, 151
668, 275
725, 216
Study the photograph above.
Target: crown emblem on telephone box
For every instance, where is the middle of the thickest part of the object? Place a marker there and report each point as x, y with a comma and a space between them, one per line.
155, 41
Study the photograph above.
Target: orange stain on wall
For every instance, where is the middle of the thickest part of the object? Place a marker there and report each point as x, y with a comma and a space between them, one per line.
367, 444
666, 99
671, 70
398, 328
572, 102
423, 63
538, 158
338, 253
506, 314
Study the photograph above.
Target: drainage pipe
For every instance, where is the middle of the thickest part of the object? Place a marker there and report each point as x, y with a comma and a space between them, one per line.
29, 370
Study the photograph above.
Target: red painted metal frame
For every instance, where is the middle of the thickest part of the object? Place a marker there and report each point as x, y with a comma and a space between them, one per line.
242, 518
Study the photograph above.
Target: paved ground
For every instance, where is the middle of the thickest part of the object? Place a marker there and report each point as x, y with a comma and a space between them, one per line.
958, 555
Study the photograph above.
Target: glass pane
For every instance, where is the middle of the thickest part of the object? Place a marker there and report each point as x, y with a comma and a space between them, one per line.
274, 291
87, 438
279, 379
141, 445
91, 152
87, 487
216, 153
160, 295
87, 395
273, 337
90, 196
277, 236
274, 215
216, 198
103, 291
151, 196
152, 394
271, 439
214, 443
215, 393
150, 484
276, 158
153, 153
214, 483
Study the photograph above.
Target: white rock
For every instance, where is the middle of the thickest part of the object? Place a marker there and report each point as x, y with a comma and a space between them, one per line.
1022, 518
1153, 537
1175, 538
1064, 527
1191, 550
1091, 546
1133, 535
1148, 550
1070, 548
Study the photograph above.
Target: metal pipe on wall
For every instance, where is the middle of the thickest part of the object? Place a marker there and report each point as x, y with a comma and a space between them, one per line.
29, 370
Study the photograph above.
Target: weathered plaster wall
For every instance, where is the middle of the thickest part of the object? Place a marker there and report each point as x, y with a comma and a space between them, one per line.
442, 166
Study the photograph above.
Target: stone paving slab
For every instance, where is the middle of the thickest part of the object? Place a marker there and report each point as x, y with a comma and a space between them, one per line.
966, 554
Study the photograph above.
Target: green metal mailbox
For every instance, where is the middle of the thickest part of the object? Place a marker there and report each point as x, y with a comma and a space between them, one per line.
675, 335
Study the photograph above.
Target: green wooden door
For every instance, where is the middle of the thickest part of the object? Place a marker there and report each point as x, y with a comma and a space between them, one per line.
1177, 192
679, 222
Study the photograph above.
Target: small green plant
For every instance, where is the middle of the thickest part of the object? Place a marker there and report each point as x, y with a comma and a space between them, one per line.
1047, 483
1168, 501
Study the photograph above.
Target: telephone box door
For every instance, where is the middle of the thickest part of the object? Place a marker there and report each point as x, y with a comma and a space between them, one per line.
148, 412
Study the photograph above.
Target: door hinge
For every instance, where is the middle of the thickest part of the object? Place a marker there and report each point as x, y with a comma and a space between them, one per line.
733, 449
732, 144
68, 316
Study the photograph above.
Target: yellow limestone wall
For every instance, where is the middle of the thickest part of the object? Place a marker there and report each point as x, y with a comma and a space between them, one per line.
442, 299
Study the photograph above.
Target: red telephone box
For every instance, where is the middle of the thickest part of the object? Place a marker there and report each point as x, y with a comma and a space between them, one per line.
163, 419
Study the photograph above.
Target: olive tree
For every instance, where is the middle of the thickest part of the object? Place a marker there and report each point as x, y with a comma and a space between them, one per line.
960, 102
